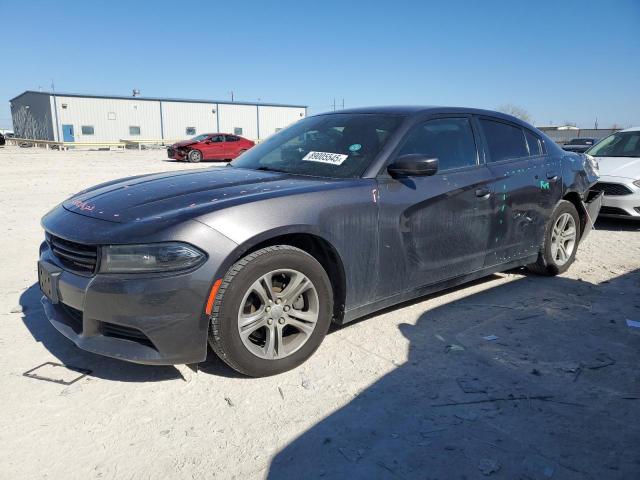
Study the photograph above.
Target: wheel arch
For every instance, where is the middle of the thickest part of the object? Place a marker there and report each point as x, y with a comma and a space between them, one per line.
310, 242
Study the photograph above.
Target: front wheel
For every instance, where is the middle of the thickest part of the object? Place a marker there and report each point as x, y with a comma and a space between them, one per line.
194, 156
560, 243
271, 312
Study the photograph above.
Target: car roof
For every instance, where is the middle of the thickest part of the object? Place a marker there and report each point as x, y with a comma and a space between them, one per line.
425, 109
632, 129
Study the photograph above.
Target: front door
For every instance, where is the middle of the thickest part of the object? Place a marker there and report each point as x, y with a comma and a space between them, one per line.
213, 148
437, 225
67, 133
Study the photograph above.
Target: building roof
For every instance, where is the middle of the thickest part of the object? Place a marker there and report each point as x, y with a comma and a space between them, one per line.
156, 99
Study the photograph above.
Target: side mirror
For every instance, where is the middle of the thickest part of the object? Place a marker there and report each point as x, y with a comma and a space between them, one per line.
413, 165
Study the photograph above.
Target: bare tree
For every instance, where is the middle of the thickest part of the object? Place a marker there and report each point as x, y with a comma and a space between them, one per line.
26, 126
516, 111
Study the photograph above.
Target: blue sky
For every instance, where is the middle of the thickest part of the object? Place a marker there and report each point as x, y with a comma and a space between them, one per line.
559, 60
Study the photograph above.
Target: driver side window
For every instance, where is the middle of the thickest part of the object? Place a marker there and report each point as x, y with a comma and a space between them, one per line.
217, 138
450, 140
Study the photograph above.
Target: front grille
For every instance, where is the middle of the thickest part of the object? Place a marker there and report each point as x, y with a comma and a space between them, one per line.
75, 256
170, 152
612, 211
612, 188
127, 333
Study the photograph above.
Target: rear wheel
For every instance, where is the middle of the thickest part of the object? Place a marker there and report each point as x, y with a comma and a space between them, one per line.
560, 243
194, 156
271, 312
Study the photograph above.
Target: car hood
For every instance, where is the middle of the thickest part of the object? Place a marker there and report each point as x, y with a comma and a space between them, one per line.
186, 194
628, 167
184, 143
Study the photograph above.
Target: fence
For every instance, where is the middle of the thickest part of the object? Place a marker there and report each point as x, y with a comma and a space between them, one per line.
50, 144
563, 136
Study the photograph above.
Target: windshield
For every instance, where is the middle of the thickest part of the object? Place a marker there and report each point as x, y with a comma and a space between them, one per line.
620, 144
339, 145
200, 138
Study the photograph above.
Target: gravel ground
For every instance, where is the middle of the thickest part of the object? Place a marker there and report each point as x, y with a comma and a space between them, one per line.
413, 392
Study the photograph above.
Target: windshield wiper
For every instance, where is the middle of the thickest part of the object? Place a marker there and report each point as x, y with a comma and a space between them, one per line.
269, 169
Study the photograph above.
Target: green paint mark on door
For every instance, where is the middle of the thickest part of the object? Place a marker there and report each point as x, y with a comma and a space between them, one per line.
544, 185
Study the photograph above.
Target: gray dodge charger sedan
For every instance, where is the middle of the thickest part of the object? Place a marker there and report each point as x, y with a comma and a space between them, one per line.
331, 219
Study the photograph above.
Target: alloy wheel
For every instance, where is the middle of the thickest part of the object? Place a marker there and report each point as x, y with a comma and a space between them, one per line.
563, 238
278, 314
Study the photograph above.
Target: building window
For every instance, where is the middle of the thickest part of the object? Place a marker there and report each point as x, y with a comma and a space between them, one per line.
87, 130
111, 116
134, 130
191, 130
237, 130
64, 106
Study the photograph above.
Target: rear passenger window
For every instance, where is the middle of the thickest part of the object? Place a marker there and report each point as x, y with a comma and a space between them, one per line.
450, 140
503, 140
535, 148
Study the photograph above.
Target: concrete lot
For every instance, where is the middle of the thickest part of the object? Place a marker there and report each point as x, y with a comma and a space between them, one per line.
414, 392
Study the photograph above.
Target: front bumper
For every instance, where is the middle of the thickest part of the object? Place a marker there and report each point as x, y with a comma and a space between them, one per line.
141, 318
621, 206
175, 154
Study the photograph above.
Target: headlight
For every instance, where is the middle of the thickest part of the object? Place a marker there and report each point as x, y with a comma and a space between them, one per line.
153, 257
637, 183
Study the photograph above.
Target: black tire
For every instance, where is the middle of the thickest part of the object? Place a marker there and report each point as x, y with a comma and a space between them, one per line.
194, 156
224, 337
546, 264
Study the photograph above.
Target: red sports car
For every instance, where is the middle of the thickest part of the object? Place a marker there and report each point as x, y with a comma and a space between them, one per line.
210, 146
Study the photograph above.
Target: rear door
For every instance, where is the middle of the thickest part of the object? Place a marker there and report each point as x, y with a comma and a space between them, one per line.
213, 148
527, 185
436, 227
232, 146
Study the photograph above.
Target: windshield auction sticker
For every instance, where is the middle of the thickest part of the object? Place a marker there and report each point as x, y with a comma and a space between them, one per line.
325, 157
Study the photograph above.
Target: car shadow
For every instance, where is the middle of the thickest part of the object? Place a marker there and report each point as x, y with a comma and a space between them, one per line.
102, 367
535, 378
617, 225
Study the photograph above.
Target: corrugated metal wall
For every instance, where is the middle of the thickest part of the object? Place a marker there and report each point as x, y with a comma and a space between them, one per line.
178, 116
111, 119
239, 116
32, 117
275, 118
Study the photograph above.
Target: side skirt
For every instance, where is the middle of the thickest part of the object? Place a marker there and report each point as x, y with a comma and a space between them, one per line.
364, 310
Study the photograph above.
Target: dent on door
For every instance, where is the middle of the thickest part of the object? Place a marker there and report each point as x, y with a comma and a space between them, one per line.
438, 226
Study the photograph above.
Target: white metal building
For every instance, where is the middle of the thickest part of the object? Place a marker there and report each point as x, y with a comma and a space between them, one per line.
99, 118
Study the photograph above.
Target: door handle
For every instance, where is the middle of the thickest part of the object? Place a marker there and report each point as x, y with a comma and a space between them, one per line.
552, 176
483, 192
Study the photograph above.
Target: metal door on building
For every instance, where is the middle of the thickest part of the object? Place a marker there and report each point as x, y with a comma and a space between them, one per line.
67, 133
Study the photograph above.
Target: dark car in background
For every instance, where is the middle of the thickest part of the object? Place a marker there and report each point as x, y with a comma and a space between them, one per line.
333, 218
210, 146
2, 140
579, 145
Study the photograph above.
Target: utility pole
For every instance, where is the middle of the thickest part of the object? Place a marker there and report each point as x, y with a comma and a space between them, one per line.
334, 104
343, 103
231, 92
596, 125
